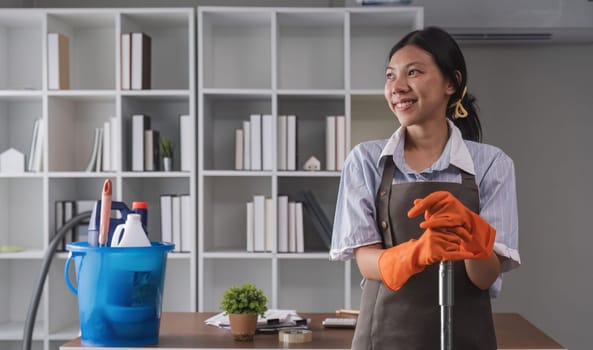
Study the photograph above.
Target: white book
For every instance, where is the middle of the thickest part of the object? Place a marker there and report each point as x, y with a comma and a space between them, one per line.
249, 227
330, 143
259, 223
38, 159
269, 225
126, 56
140, 123
281, 142
186, 233
282, 224
291, 142
58, 61
33, 145
186, 148
256, 156
92, 163
176, 222
267, 142
291, 227
107, 146
238, 149
246, 145
141, 61
340, 142
300, 235
99, 161
115, 144
166, 218
151, 150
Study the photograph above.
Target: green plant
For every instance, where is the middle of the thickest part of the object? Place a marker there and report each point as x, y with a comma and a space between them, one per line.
247, 299
166, 147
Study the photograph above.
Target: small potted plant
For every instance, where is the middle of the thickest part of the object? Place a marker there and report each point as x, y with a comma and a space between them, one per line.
166, 152
243, 305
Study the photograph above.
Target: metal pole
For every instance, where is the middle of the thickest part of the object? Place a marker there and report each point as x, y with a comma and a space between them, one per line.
446, 299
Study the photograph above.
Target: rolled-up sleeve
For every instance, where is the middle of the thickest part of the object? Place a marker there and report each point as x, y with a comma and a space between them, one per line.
354, 220
498, 206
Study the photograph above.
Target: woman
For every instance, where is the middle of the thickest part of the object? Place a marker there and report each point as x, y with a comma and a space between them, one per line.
430, 193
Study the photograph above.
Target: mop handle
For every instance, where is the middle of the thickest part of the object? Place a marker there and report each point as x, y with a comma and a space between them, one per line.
446, 299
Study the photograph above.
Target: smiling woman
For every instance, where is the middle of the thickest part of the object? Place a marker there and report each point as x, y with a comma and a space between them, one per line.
430, 193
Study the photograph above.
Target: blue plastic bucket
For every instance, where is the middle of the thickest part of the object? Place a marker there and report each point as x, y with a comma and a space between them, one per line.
120, 292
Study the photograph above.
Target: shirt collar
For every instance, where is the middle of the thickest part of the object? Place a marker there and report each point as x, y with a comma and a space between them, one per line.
459, 155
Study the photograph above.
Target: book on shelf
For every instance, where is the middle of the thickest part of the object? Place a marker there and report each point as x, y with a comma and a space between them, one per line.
249, 230
151, 150
316, 215
281, 141
99, 159
267, 141
246, 145
58, 61
291, 227
299, 231
256, 149
64, 210
269, 225
94, 157
238, 149
259, 223
33, 148
291, 142
176, 222
141, 61
125, 60
340, 142
166, 218
140, 122
186, 147
330, 143
186, 215
282, 225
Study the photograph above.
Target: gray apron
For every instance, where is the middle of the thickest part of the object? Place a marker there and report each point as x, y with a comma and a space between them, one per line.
409, 319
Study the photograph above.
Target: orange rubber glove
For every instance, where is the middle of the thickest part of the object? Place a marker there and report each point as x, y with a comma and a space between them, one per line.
397, 264
445, 212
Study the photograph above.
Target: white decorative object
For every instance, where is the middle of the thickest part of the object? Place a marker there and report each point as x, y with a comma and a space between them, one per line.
12, 161
312, 164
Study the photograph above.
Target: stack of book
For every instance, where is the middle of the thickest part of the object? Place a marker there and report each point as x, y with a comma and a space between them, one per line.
335, 142
254, 143
105, 151
291, 236
135, 61
175, 221
287, 142
259, 226
65, 210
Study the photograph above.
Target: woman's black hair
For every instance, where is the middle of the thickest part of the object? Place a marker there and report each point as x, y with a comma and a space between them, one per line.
449, 58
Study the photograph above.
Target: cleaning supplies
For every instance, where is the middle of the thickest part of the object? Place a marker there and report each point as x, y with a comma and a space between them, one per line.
130, 234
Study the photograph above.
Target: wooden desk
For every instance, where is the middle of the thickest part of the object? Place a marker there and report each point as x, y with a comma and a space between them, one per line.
186, 330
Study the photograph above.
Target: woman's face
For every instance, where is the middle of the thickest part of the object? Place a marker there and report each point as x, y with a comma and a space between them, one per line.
415, 89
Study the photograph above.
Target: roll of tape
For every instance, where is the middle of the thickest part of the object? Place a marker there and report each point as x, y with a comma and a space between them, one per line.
295, 335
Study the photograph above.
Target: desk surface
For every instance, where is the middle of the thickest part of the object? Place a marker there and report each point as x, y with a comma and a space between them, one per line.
187, 330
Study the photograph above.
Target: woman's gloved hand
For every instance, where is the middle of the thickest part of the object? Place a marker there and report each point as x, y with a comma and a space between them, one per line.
397, 264
442, 211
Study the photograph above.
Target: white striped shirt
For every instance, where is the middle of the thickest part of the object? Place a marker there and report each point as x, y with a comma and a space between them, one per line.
354, 222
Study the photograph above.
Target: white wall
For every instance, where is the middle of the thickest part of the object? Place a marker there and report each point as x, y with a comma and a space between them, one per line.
537, 105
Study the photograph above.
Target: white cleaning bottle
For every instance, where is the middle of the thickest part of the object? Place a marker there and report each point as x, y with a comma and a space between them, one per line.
130, 233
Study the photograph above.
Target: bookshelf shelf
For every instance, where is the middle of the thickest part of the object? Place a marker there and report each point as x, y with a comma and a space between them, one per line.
70, 117
301, 62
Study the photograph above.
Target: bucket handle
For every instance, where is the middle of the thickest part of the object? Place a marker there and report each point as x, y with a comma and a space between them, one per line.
67, 267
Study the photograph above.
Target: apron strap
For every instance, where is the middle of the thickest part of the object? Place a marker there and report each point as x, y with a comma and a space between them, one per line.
382, 201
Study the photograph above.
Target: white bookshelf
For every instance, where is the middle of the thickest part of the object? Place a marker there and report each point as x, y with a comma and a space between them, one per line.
281, 61
95, 95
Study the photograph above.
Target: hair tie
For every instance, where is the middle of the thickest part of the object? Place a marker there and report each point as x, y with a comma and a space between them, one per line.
460, 111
